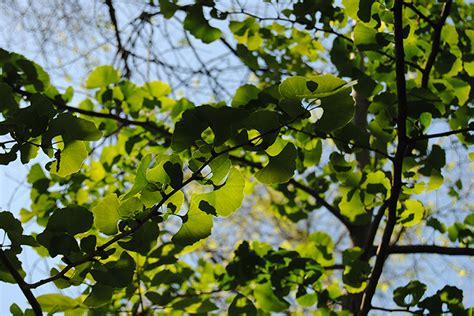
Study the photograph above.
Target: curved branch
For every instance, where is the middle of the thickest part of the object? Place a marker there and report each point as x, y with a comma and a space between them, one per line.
435, 47
418, 12
154, 211
348, 142
333, 210
121, 51
60, 104
21, 283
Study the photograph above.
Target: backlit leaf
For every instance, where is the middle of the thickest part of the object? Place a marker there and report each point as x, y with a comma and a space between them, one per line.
106, 215
71, 159
280, 168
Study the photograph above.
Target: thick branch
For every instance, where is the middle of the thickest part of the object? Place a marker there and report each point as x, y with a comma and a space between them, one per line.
435, 47
382, 251
21, 283
431, 249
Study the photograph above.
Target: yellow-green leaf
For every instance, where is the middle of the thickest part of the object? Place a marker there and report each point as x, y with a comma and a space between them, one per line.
102, 76
71, 159
106, 215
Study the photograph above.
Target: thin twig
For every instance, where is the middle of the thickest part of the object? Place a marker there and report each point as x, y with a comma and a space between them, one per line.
443, 134
418, 12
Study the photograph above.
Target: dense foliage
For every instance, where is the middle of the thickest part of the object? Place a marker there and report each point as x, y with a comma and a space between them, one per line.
138, 179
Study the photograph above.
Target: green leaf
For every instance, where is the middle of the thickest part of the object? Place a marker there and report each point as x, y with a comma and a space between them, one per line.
187, 130
219, 168
319, 246
307, 300
71, 159
228, 198
294, 87
7, 103
364, 12
99, 295
116, 273
298, 87
143, 239
338, 111
53, 303
157, 89
175, 174
140, 178
198, 26
244, 95
35, 174
412, 213
129, 208
280, 168
27, 152
15, 310
267, 300
72, 128
241, 306
414, 289
73, 219
106, 215
102, 76
365, 37
197, 226
168, 8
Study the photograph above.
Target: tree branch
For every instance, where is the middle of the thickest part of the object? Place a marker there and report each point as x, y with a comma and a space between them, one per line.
443, 134
21, 283
392, 310
121, 51
382, 251
374, 226
353, 144
154, 211
435, 47
60, 104
431, 249
418, 12
333, 210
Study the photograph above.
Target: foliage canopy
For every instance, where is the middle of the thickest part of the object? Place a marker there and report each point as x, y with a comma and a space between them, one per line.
138, 178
